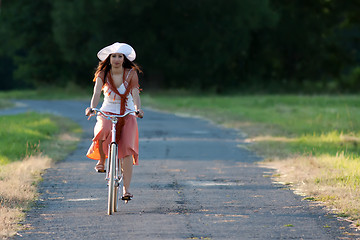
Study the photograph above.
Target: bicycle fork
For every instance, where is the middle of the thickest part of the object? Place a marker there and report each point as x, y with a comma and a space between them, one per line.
113, 141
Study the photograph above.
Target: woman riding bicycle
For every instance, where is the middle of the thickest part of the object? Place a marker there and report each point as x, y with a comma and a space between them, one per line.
116, 76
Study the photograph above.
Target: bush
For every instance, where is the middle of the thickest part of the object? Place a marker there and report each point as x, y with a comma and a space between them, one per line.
351, 81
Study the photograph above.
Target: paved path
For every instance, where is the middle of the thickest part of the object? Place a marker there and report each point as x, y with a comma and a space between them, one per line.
193, 182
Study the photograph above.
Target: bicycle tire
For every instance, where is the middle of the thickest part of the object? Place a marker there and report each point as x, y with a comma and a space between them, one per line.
116, 186
111, 184
119, 186
115, 198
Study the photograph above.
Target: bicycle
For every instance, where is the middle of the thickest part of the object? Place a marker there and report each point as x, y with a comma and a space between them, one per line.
114, 174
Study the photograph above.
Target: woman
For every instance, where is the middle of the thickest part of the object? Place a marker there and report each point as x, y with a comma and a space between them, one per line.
116, 76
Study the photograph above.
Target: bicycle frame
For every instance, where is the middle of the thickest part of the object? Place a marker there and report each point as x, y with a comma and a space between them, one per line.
114, 120
113, 165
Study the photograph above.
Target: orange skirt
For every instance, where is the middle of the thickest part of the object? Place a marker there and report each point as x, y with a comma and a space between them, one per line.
128, 143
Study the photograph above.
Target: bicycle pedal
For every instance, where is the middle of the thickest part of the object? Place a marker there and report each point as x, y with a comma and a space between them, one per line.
126, 198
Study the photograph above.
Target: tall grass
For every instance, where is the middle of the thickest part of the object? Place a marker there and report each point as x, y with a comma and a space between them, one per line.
21, 135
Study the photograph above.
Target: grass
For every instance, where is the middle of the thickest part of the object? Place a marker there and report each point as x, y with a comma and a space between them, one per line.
71, 91
21, 135
288, 225
29, 144
312, 141
5, 104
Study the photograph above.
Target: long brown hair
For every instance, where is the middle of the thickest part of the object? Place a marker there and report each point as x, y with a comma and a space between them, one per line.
105, 66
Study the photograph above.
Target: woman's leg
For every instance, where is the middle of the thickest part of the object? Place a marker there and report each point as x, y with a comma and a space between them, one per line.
101, 151
127, 166
100, 166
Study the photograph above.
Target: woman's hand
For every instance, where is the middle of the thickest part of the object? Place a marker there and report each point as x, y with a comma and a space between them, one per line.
140, 114
88, 111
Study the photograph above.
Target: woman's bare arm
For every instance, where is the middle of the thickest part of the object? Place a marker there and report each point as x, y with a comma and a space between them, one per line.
96, 96
137, 101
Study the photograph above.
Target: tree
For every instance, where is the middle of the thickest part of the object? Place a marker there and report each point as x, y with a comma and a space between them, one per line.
199, 44
261, 45
27, 40
309, 47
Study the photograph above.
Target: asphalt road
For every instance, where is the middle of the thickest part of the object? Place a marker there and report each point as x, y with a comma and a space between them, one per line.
194, 181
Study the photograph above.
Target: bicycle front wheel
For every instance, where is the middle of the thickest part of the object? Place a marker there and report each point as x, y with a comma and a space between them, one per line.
112, 180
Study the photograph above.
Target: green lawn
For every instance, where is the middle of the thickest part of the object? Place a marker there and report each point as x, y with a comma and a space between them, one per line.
21, 135
30, 133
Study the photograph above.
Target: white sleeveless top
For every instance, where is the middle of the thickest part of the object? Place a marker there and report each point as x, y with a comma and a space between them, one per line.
110, 104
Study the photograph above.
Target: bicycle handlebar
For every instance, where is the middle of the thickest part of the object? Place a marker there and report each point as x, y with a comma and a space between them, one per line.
95, 111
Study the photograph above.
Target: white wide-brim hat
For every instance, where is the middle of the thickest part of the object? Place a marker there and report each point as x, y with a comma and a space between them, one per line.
117, 47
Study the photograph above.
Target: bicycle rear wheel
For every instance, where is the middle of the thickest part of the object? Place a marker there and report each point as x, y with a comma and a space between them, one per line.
112, 198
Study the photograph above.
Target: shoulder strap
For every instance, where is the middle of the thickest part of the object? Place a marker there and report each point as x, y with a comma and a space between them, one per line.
128, 74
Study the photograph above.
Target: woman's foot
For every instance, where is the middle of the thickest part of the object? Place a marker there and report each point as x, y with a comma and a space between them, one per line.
100, 167
127, 196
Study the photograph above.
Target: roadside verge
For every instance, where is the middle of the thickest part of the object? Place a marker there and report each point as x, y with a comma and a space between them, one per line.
19, 178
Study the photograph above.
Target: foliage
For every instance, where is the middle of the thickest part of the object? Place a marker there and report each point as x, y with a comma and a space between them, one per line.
312, 44
170, 36
27, 42
352, 80
248, 45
